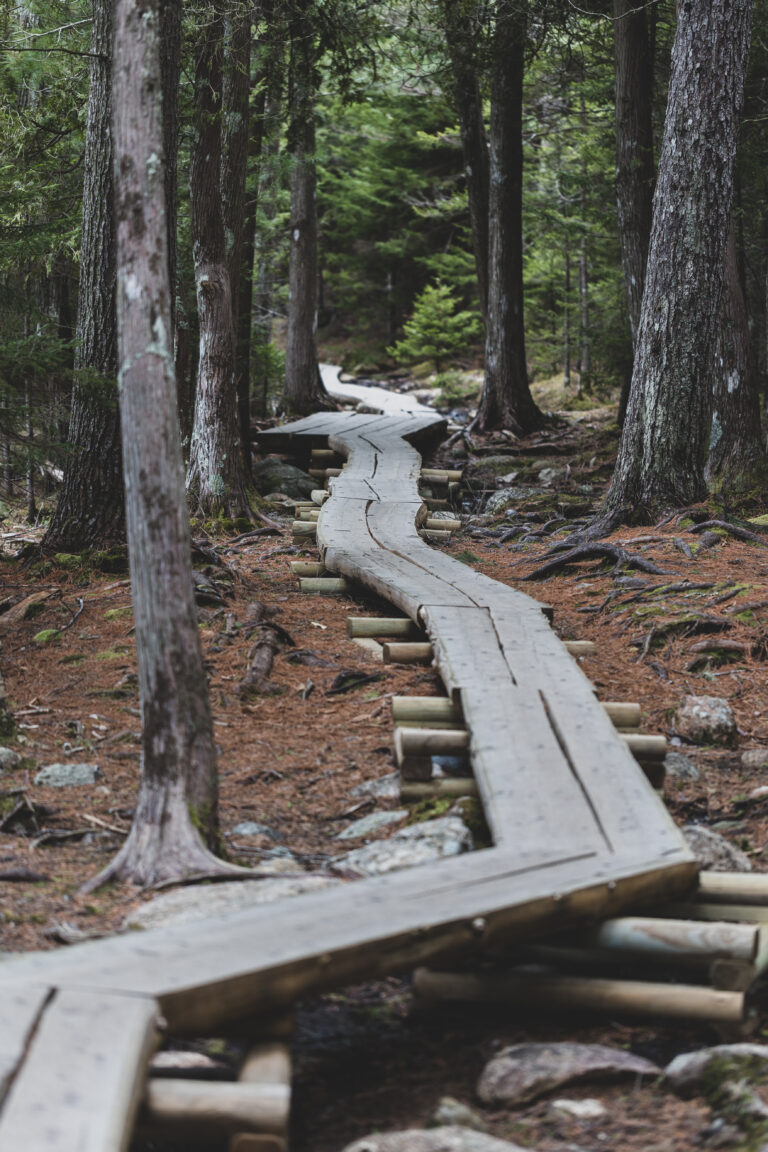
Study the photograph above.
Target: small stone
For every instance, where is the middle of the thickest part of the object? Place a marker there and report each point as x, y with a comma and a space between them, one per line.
67, 775
417, 844
706, 720
498, 502
186, 905
680, 767
523, 1072
451, 1139
372, 823
578, 1109
252, 828
759, 793
9, 759
385, 788
713, 852
549, 475
755, 758
273, 475
688, 1072
451, 1113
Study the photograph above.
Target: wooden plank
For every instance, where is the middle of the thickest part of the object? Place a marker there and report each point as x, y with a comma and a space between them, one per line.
82, 1080
20, 1011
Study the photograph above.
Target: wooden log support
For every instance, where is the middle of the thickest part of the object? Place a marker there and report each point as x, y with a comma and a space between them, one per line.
426, 712
432, 536
430, 742
550, 994
646, 749
407, 653
308, 568
306, 529
324, 458
330, 473
374, 626
580, 647
326, 585
734, 887
310, 514
436, 505
414, 791
186, 1105
265, 1064
316, 473
442, 475
623, 715
319, 495
440, 524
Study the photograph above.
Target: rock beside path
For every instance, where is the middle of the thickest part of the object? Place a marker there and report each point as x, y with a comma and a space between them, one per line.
523, 1072
713, 852
680, 767
9, 760
706, 720
451, 1139
417, 844
373, 822
67, 775
273, 475
691, 1072
186, 905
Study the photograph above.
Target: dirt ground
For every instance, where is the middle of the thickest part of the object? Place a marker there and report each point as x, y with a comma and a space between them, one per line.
370, 1058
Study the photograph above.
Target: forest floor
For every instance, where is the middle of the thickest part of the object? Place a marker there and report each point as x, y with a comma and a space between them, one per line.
368, 1058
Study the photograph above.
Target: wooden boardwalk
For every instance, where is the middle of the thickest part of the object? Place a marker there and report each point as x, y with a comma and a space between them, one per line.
577, 832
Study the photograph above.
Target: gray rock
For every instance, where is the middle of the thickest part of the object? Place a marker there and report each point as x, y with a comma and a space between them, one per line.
714, 852
417, 844
374, 822
9, 759
578, 1109
549, 475
252, 828
273, 475
186, 905
686, 1073
451, 1113
706, 720
680, 767
452, 1139
755, 758
524, 1072
385, 788
498, 502
67, 775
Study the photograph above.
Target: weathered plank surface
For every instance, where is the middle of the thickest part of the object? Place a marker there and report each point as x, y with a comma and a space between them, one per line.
81, 1081
577, 832
20, 1011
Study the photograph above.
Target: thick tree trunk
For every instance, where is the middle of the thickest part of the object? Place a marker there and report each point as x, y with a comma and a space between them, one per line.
236, 136
170, 65
664, 442
737, 461
178, 790
265, 244
90, 507
215, 476
304, 391
461, 38
506, 401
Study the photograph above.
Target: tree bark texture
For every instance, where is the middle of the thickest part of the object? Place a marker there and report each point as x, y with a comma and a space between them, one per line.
266, 242
170, 65
461, 40
304, 391
634, 147
215, 476
506, 401
90, 507
178, 790
234, 167
737, 459
663, 446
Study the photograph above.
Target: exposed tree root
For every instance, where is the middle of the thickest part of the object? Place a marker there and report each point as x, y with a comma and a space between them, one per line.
732, 530
592, 551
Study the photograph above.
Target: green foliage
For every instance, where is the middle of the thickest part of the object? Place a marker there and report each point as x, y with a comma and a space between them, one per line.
436, 331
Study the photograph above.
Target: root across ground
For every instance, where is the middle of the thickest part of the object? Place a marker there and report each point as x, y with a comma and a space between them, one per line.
368, 1058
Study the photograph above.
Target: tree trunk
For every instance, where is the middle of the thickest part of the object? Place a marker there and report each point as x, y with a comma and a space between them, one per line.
170, 66
567, 317
474, 143
663, 446
737, 460
266, 245
304, 391
236, 137
178, 790
506, 401
90, 507
215, 475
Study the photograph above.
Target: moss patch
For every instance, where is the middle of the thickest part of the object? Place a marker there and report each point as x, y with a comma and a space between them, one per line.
117, 613
47, 636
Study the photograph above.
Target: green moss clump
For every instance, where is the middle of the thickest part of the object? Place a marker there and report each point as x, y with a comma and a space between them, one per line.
117, 613
47, 636
686, 522
68, 560
243, 524
467, 557
42, 569
430, 809
116, 653
111, 560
